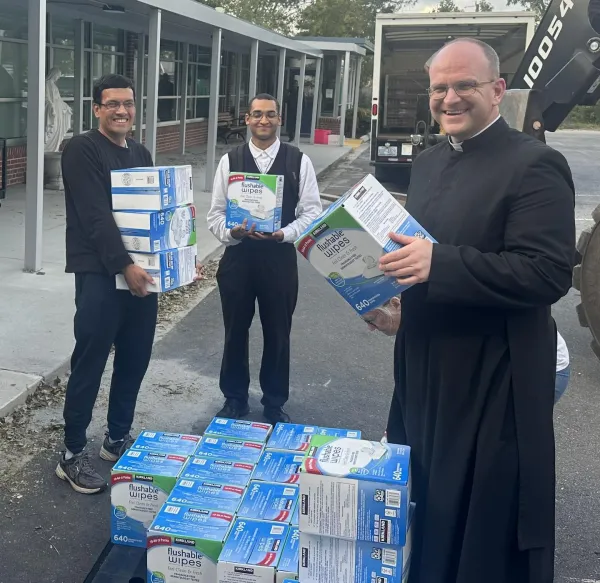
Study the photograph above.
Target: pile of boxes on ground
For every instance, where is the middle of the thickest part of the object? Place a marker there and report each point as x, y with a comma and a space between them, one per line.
249, 503
154, 210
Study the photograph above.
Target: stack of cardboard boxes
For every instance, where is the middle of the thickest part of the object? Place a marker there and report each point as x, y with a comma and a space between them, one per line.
252, 503
154, 210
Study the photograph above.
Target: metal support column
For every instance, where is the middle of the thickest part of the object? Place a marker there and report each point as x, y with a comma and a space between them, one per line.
316, 100
300, 99
344, 107
238, 81
184, 97
280, 82
153, 69
338, 85
36, 78
253, 76
78, 74
213, 109
356, 95
139, 87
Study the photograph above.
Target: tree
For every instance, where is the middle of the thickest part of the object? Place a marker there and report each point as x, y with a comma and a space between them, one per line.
277, 15
483, 6
447, 6
537, 6
345, 18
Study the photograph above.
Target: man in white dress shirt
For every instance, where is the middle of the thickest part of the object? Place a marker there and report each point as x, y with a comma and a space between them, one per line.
263, 267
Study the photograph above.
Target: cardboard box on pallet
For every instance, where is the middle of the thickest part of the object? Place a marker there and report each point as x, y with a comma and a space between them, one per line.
355, 489
141, 481
296, 437
252, 552
184, 544
232, 472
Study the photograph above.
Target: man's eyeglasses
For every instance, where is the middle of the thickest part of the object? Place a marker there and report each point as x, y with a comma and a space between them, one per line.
257, 115
462, 89
116, 105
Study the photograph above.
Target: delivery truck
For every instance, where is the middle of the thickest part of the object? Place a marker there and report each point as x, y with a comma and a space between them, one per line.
402, 125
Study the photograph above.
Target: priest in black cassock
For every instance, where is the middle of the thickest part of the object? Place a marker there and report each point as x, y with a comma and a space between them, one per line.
476, 350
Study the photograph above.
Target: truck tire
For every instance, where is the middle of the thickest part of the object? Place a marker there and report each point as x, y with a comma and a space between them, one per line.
586, 280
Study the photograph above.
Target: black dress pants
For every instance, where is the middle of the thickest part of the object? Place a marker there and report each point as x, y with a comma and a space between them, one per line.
266, 272
106, 316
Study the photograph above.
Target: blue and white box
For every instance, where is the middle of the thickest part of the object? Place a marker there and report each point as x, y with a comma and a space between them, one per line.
256, 198
326, 559
344, 244
178, 443
269, 501
355, 489
295, 437
252, 552
141, 482
169, 269
230, 448
231, 472
290, 558
184, 544
279, 466
207, 494
152, 189
239, 428
154, 231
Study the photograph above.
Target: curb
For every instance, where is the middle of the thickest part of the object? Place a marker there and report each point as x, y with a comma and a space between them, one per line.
21, 398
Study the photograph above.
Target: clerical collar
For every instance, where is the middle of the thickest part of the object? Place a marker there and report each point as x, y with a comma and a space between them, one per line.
458, 146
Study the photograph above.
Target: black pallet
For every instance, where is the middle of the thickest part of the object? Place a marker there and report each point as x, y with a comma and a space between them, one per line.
119, 564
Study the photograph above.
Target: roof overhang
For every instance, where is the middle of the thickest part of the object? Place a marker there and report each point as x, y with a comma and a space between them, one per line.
183, 20
359, 46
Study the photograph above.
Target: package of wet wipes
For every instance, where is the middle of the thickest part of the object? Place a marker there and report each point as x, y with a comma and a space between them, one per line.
345, 243
228, 471
230, 448
279, 466
252, 552
141, 482
290, 558
179, 443
269, 501
184, 544
153, 188
169, 269
239, 428
296, 437
355, 489
257, 198
207, 494
154, 231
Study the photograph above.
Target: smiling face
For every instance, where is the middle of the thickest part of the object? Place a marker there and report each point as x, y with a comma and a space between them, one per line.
263, 119
116, 112
465, 91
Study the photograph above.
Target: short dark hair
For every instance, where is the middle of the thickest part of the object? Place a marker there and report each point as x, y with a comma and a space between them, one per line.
264, 97
111, 81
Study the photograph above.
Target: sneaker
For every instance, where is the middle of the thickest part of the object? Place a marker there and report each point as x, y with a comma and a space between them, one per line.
276, 415
233, 409
112, 452
80, 473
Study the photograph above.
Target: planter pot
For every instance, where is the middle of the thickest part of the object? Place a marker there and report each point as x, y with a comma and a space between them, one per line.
52, 171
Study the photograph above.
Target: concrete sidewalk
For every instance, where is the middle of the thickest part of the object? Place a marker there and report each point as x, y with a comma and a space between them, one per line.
36, 311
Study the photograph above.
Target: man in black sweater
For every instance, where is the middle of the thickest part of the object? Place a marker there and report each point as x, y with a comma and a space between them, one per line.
104, 315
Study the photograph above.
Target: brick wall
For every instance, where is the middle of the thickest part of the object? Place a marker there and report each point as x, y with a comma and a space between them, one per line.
167, 140
16, 165
329, 123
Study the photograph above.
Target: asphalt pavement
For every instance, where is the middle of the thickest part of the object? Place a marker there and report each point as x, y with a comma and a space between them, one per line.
341, 376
